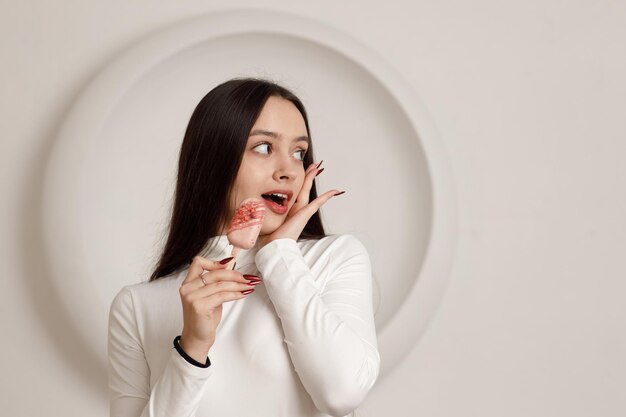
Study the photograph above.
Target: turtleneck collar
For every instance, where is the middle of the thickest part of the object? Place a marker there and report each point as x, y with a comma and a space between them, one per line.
216, 248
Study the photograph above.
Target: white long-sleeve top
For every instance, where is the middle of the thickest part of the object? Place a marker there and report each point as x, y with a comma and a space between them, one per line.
302, 344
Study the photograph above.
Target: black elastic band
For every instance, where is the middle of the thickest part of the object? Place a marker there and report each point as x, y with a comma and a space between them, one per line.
187, 357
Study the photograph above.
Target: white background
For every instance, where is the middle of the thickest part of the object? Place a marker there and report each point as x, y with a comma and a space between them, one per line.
529, 98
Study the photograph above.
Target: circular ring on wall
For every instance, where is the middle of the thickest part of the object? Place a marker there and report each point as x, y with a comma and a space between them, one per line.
69, 234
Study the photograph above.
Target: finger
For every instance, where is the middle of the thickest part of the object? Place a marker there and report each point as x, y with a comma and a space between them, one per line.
226, 275
311, 167
211, 277
310, 209
199, 265
218, 287
294, 226
303, 196
314, 167
189, 287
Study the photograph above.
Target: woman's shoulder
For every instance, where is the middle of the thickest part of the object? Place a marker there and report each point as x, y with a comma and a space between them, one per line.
145, 293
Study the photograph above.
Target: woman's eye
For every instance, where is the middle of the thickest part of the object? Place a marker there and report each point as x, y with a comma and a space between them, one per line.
301, 153
262, 148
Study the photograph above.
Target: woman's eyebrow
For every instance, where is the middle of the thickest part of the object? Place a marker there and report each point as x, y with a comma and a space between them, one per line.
277, 135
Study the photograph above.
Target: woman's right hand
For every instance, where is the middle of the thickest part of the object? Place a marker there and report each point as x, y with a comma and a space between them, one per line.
202, 303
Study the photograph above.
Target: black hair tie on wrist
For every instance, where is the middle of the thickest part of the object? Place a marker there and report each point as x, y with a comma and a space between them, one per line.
187, 357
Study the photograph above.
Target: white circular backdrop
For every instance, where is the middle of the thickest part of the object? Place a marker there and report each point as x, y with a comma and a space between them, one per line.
111, 173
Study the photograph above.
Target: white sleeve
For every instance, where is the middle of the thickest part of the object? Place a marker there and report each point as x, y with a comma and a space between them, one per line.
177, 392
330, 331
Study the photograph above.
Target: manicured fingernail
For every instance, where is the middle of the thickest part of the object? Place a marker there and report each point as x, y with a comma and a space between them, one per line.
251, 277
318, 165
254, 281
338, 193
246, 292
320, 171
226, 260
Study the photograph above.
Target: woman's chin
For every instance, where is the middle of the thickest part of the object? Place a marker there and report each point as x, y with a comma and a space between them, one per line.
268, 229
271, 223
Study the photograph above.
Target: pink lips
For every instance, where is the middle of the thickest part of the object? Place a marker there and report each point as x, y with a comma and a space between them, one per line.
275, 207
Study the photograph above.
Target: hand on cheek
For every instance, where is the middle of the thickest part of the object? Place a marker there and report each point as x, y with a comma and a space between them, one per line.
302, 210
302, 197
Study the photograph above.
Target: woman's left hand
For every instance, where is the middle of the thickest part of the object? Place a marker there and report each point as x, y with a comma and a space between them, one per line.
301, 211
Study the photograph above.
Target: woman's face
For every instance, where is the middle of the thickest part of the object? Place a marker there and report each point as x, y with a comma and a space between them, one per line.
273, 161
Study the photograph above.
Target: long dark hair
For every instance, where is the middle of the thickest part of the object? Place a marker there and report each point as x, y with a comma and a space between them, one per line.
209, 160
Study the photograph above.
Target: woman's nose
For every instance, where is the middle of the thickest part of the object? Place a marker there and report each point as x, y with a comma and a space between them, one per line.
285, 170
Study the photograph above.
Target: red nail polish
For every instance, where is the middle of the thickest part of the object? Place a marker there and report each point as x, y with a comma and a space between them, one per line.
226, 260
320, 171
318, 165
254, 282
339, 193
250, 277
246, 292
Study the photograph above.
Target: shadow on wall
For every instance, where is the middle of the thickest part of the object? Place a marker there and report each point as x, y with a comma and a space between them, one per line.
56, 314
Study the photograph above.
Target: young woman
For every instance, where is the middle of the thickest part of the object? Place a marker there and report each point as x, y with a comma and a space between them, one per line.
290, 331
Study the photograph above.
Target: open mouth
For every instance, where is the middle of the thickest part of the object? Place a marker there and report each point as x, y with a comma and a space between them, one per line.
280, 199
